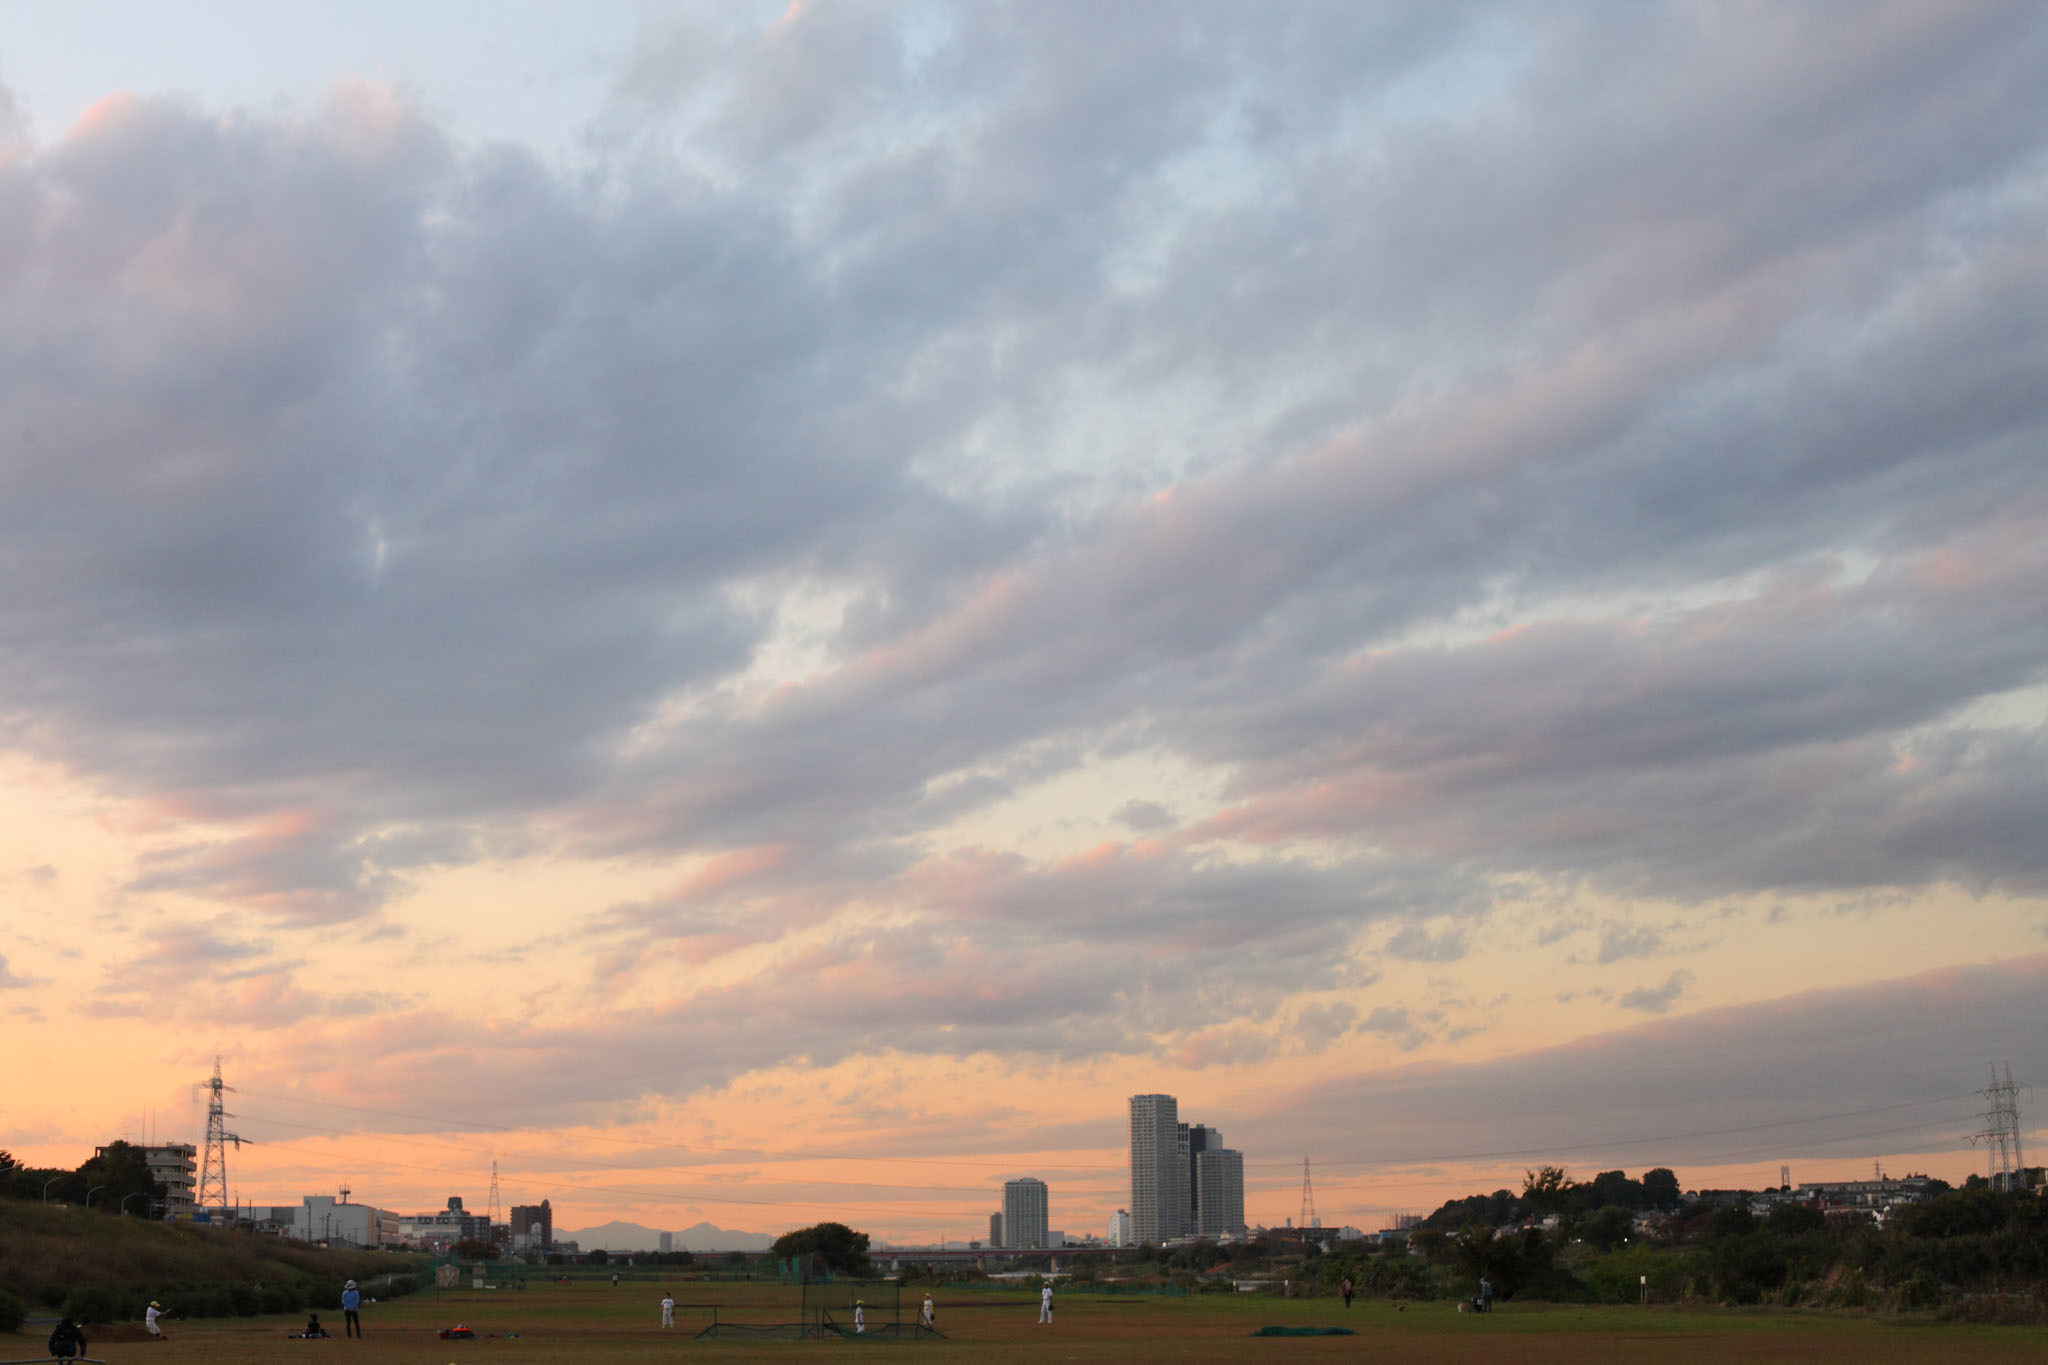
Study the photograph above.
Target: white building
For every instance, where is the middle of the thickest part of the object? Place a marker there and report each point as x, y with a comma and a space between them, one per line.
176, 1168
1120, 1228
323, 1218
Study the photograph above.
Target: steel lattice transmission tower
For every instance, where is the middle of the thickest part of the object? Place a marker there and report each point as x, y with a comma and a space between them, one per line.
213, 1176
1309, 1217
494, 1214
2000, 1136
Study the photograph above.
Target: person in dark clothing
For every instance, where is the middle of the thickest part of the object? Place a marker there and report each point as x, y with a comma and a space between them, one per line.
67, 1341
1344, 1289
313, 1327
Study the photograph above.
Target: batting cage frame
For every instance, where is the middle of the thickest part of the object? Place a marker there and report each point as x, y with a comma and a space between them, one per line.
820, 1321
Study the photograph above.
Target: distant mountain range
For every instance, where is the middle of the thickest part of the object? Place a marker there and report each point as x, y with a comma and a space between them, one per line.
617, 1236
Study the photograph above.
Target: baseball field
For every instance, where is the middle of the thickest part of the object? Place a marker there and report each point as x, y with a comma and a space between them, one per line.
594, 1321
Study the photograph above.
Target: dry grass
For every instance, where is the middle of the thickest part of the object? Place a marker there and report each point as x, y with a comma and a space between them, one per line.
549, 1323
50, 1250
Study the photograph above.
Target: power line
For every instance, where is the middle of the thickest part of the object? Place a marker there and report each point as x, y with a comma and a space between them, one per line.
533, 1173
728, 1153
1573, 1147
698, 1197
948, 1196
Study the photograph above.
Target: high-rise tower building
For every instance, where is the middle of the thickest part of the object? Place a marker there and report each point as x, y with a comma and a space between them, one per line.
1196, 1138
1158, 1176
1220, 1172
1025, 1213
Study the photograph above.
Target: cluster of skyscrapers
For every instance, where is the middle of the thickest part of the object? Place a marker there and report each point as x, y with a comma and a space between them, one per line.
1184, 1181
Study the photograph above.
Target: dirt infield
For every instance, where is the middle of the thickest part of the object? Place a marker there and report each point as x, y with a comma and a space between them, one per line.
551, 1323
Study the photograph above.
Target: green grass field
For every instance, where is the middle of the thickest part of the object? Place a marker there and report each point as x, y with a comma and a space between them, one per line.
592, 1321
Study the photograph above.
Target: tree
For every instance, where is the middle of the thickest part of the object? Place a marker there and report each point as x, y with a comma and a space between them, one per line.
19, 1181
598, 1257
1732, 1220
1612, 1188
835, 1246
1608, 1227
1660, 1189
1495, 1210
1791, 1220
1510, 1262
123, 1169
1547, 1190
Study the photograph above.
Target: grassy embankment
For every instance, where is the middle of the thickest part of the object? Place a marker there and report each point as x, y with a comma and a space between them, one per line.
108, 1266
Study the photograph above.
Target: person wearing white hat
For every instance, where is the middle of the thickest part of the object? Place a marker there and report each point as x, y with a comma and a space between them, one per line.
351, 1299
860, 1317
149, 1317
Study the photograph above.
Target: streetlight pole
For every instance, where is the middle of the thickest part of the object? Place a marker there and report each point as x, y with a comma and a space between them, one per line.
46, 1186
91, 1192
139, 1194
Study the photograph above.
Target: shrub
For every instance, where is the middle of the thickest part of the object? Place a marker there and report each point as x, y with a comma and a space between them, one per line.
206, 1301
13, 1311
1619, 1278
1921, 1291
93, 1303
288, 1297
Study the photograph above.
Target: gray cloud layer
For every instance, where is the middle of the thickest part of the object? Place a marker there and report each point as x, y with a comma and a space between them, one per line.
1178, 380
1883, 1069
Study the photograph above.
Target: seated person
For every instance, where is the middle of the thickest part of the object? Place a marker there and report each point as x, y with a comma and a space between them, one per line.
313, 1327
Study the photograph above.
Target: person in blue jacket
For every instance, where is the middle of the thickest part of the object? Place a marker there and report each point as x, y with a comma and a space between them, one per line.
351, 1325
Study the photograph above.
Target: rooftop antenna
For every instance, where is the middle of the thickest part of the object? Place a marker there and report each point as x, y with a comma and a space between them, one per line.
213, 1176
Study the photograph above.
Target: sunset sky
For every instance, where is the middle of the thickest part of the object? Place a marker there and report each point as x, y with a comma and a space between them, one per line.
759, 614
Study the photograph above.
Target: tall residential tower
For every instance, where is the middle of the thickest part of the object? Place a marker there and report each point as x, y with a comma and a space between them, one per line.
1025, 1213
1220, 1173
1159, 1180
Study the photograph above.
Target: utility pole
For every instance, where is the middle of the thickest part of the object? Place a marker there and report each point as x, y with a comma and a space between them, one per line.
1309, 1217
